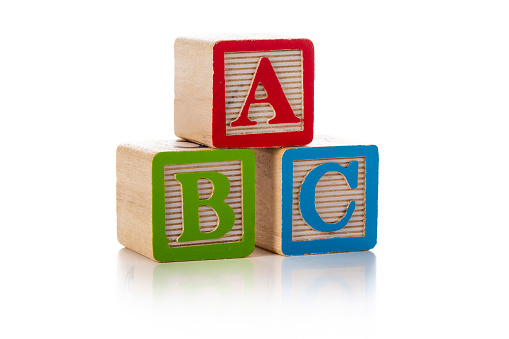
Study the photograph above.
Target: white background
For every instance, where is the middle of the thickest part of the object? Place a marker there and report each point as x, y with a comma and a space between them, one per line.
426, 81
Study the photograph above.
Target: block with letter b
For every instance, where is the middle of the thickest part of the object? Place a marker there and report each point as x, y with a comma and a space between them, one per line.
238, 93
179, 201
317, 199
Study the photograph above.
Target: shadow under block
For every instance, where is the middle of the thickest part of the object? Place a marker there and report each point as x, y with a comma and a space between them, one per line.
179, 201
238, 93
317, 199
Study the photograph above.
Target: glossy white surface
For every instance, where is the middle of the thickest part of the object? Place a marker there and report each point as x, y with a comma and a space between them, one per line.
425, 81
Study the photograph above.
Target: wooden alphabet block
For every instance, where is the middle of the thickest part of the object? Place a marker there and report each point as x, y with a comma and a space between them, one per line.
237, 93
179, 201
317, 199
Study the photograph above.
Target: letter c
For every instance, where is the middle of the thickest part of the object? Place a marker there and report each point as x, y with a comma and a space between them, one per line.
308, 191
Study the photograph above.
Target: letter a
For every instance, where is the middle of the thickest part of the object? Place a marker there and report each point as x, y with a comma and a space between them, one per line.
191, 202
266, 75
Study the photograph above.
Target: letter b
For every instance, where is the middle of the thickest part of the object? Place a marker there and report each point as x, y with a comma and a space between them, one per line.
191, 203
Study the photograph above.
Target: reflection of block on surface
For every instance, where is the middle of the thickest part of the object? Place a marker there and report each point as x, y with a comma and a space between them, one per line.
213, 282
317, 199
179, 201
235, 92
341, 285
198, 286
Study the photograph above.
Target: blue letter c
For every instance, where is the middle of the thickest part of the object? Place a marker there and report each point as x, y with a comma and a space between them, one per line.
308, 191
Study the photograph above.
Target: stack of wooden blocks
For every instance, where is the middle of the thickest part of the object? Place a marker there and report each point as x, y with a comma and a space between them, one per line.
242, 175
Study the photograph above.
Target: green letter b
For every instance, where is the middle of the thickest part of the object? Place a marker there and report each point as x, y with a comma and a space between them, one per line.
191, 203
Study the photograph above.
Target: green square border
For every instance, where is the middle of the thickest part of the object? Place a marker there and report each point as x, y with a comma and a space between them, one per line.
162, 252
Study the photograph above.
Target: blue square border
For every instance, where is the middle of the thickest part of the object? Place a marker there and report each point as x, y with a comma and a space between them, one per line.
367, 242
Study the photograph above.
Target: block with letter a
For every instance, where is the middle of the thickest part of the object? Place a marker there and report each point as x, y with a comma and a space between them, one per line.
179, 201
239, 93
321, 198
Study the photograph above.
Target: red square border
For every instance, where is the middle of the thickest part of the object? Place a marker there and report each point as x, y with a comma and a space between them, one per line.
279, 139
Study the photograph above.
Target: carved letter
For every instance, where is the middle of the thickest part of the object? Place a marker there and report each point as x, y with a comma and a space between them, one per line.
266, 75
308, 191
191, 202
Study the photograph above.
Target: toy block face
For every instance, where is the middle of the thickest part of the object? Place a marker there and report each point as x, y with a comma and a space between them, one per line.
329, 199
263, 93
203, 204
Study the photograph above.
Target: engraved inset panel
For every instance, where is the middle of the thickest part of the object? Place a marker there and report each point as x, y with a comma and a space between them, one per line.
240, 69
207, 216
332, 196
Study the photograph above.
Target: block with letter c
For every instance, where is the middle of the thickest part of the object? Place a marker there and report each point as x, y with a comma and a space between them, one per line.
317, 199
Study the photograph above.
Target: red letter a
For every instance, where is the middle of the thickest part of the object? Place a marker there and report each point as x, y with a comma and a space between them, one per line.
275, 97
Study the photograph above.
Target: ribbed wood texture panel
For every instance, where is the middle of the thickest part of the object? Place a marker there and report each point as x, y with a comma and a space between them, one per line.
207, 216
332, 197
239, 72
